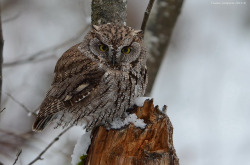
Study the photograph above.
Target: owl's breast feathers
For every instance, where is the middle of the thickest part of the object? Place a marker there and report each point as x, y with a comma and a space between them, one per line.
85, 88
76, 77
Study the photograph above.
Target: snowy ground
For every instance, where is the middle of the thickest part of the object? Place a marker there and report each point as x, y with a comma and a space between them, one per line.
204, 78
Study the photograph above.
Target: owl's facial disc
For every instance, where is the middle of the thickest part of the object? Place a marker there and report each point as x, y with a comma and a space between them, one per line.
117, 45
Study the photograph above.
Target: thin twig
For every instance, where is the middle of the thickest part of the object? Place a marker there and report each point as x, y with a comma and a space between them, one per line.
50, 144
17, 156
42, 52
22, 105
2, 110
146, 14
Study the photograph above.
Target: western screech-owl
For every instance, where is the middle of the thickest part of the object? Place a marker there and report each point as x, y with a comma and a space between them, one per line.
96, 80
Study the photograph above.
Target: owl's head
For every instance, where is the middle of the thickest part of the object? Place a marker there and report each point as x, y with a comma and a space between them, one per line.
117, 45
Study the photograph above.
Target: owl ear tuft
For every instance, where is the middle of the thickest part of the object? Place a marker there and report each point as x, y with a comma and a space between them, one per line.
139, 33
97, 28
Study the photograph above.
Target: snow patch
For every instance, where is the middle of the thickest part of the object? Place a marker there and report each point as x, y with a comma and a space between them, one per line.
131, 118
139, 101
81, 148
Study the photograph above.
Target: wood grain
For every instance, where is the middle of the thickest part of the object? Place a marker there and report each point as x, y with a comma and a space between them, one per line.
134, 146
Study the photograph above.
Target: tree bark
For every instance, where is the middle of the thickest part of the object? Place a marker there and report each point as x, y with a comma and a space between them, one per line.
157, 34
109, 11
152, 145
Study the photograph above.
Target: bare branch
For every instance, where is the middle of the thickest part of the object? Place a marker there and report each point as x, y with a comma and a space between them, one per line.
158, 33
2, 110
19, 136
146, 14
22, 105
39, 157
42, 52
17, 156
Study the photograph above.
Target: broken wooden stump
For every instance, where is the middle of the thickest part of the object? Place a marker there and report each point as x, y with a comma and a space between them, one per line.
130, 145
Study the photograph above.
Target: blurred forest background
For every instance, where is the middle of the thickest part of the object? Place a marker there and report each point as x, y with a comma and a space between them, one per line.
204, 78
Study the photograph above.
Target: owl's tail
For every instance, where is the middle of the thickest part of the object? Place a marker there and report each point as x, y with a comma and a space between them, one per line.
49, 110
41, 122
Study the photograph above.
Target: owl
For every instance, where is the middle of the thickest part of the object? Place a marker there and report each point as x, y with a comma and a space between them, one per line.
96, 80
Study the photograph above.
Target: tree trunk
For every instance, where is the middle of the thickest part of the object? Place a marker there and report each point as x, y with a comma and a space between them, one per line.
109, 11
152, 145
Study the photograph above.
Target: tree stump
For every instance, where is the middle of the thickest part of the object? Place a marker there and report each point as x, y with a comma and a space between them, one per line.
130, 145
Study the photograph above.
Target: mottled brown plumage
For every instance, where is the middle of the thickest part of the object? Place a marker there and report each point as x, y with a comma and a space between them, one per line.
96, 80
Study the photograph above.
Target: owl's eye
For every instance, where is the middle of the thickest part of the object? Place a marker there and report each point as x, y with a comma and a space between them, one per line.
103, 48
126, 50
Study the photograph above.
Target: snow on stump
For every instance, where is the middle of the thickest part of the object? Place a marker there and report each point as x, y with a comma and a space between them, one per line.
131, 145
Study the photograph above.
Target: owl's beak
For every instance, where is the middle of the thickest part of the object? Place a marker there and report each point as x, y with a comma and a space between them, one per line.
113, 60
112, 54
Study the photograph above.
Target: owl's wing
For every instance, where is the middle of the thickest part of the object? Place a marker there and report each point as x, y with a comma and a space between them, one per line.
76, 76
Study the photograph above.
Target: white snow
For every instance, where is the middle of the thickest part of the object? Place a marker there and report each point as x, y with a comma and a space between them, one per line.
139, 101
131, 118
81, 148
